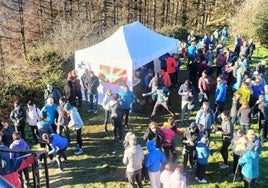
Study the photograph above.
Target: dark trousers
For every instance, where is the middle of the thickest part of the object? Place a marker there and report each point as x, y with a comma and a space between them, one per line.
79, 137
20, 129
200, 170
65, 129
106, 119
188, 155
224, 150
126, 114
93, 101
168, 150
218, 108
43, 145
236, 158
249, 183
26, 179
78, 94
61, 153
133, 177
244, 128
263, 125
35, 133
117, 123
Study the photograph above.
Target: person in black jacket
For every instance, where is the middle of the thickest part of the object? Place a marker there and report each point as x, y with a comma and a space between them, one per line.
261, 107
18, 116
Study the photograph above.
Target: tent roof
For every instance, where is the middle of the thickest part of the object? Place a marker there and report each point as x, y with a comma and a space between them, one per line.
133, 43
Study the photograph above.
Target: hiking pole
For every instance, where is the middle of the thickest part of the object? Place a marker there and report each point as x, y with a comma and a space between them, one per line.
236, 170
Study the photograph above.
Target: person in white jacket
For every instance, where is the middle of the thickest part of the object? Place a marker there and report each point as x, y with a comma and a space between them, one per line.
32, 117
77, 123
106, 106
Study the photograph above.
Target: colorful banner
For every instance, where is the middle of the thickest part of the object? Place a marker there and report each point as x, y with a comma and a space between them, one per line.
113, 75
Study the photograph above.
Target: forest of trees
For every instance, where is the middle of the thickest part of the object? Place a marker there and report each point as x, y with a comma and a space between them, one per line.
26, 22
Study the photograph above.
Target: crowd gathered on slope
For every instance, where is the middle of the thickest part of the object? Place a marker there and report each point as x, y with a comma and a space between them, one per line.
210, 64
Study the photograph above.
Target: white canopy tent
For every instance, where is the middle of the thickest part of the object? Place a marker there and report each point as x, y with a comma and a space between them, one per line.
126, 50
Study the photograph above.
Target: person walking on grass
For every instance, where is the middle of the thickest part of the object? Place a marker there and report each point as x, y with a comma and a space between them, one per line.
126, 99
59, 145
227, 135
202, 153
186, 92
153, 162
116, 117
77, 123
133, 158
162, 98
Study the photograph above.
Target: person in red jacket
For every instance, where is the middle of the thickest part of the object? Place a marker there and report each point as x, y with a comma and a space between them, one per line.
171, 68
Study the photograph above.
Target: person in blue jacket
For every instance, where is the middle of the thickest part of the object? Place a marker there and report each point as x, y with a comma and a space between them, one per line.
153, 161
50, 108
220, 95
58, 145
250, 166
162, 99
202, 152
126, 99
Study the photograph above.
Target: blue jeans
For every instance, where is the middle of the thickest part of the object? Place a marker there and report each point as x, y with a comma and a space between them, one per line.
93, 101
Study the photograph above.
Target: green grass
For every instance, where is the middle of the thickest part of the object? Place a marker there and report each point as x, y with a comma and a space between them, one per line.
99, 167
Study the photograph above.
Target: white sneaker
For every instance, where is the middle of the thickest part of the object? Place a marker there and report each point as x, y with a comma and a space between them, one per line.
78, 152
196, 178
202, 181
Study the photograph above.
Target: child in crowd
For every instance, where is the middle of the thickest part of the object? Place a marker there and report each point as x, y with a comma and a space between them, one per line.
177, 179
165, 175
202, 152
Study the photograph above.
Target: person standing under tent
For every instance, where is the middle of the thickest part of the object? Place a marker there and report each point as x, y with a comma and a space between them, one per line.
92, 85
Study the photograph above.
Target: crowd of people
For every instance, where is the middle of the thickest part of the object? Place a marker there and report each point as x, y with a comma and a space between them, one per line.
215, 73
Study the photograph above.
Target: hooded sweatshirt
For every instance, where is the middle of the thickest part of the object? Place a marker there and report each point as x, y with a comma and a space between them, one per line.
133, 158
202, 153
154, 158
18, 145
75, 119
250, 164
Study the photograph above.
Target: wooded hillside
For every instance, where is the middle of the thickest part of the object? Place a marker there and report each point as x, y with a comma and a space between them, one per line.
26, 23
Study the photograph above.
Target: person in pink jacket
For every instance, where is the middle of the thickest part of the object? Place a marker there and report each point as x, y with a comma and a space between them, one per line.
168, 141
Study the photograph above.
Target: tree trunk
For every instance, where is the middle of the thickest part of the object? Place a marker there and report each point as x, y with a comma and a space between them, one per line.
22, 27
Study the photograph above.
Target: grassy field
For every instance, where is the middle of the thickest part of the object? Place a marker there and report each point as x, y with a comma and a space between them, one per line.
100, 166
